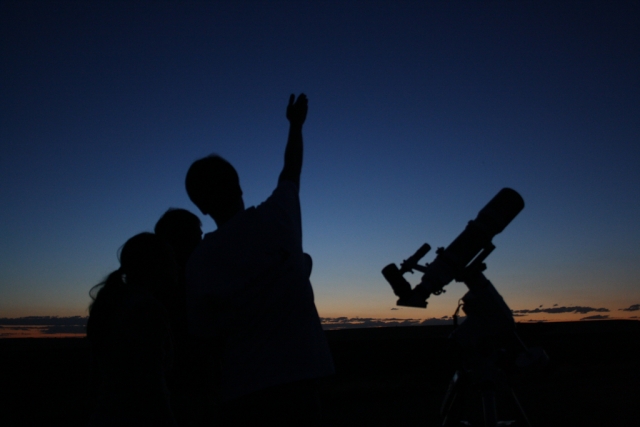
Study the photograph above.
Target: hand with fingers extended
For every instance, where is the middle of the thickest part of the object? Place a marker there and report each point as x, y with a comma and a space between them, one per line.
296, 114
297, 109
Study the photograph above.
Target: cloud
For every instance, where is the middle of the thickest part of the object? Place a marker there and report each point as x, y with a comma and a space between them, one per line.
442, 321
43, 326
65, 329
17, 328
21, 331
558, 310
634, 307
596, 317
332, 323
44, 320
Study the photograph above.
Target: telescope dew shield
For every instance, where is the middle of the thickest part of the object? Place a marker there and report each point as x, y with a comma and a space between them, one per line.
500, 210
491, 220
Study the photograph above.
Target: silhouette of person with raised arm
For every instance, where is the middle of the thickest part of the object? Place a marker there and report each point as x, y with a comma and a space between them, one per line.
248, 288
130, 335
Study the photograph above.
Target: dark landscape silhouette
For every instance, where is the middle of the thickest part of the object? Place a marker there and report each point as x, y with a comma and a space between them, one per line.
76, 325
384, 376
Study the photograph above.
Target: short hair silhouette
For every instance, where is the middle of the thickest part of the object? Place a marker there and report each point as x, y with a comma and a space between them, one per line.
173, 220
212, 182
182, 230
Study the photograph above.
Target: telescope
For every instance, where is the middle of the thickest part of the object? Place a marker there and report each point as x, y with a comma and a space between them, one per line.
488, 329
462, 259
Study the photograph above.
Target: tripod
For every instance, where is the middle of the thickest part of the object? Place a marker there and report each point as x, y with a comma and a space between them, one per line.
481, 341
483, 383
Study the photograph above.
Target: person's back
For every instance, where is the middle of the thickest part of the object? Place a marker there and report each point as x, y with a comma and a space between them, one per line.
131, 363
181, 230
262, 300
130, 338
248, 287
193, 376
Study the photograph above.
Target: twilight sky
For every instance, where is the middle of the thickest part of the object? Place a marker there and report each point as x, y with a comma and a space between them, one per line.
419, 113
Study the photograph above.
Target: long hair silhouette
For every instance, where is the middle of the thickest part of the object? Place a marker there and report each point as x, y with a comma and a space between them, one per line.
130, 335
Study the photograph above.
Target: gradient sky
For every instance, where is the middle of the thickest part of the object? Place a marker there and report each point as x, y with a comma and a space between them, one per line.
419, 113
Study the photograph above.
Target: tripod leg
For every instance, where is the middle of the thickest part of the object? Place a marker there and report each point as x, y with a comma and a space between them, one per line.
450, 413
451, 406
489, 408
517, 402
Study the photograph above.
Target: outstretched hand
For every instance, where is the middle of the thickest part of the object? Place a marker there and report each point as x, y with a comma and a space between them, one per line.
296, 114
297, 109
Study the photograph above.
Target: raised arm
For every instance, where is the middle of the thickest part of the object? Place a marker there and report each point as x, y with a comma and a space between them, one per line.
296, 114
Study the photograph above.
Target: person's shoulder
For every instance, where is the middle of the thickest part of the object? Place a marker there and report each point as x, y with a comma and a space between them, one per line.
218, 241
286, 185
208, 240
284, 197
208, 237
286, 190
201, 254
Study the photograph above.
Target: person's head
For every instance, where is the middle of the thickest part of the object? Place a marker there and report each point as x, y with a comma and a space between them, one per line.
147, 262
214, 187
182, 230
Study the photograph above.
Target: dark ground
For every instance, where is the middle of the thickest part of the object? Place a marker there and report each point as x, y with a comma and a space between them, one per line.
385, 377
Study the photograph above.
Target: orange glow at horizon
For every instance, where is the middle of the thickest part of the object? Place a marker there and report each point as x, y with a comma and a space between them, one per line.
33, 332
29, 331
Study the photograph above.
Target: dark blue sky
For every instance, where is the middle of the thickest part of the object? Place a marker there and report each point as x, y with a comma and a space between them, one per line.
419, 112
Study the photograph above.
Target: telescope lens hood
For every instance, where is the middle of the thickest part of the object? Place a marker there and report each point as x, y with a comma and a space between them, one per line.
501, 210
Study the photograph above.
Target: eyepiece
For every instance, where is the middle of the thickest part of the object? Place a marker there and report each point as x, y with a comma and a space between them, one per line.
400, 286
